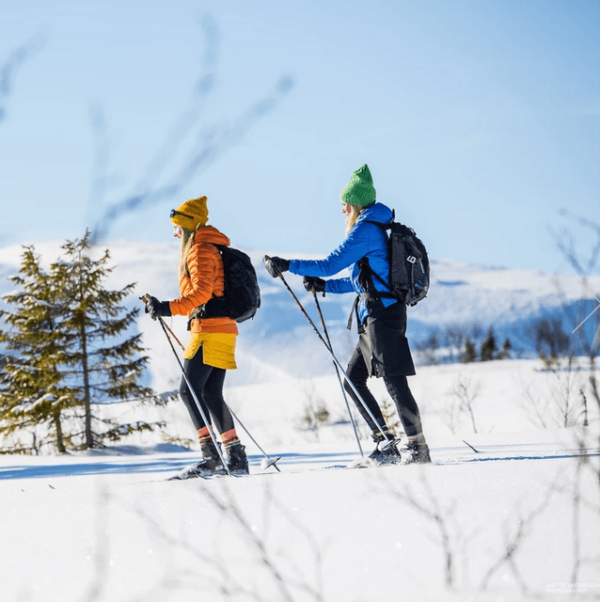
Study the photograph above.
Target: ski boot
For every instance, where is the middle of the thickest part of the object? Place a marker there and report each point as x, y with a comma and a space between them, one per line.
237, 461
386, 451
209, 466
415, 453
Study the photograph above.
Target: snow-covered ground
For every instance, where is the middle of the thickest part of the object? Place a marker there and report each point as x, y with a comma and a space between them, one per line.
509, 510
514, 517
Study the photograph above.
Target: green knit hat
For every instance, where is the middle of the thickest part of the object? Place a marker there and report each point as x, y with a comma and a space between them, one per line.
359, 190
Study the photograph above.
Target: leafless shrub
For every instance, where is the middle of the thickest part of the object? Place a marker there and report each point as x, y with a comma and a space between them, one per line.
564, 390
584, 263
517, 528
462, 396
315, 413
560, 400
535, 406
551, 342
466, 392
285, 581
571, 484
278, 575
451, 415
440, 513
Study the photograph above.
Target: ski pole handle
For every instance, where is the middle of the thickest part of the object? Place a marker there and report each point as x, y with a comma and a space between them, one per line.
145, 298
271, 268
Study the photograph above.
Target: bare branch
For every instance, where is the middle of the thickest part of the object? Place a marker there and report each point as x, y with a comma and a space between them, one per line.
207, 144
514, 541
11, 67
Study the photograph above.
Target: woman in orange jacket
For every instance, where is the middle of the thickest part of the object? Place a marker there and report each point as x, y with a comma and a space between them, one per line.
211, 348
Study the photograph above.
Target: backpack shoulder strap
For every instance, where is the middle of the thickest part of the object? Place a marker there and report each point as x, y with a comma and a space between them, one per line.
218, 247
386, 226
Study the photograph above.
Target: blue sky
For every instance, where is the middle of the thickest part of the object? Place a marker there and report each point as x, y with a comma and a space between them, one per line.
479, 119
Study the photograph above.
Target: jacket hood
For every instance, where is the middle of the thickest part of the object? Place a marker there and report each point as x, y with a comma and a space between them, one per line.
378, 212
211, 235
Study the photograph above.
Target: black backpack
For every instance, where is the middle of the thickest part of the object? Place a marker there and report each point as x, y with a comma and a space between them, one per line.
241, 298
409, 265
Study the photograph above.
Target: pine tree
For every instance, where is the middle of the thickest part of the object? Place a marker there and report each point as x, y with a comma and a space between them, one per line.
98, 369
506, 349
32, 396
469, 353
67, 352
489, 347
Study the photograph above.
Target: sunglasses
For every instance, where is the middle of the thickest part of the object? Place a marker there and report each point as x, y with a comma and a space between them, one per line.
174, 213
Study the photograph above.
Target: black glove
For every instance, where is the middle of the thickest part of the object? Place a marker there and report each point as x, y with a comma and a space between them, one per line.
156, 308
312, 283
276, 265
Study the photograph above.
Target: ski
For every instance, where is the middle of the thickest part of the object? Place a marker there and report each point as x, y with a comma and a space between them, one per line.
369, 463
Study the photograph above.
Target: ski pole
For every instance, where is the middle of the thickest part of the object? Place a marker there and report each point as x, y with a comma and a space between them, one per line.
174, 337
314, 292
335, 359
187, 380
268, 461
145, 299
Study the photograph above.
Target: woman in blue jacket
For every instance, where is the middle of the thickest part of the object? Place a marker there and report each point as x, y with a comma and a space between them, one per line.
382, 348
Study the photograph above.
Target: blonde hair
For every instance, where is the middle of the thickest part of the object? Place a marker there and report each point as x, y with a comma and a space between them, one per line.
352, 217
187, 240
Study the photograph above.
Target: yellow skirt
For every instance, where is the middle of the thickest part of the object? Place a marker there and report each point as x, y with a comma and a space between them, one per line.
218, 349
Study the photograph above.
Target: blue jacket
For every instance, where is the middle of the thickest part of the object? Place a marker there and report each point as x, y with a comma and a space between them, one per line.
364, 240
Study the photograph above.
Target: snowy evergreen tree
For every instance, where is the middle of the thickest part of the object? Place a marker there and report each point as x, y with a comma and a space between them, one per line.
469, 353
66, 353
98, 368
506, 349
32, 393
489, 347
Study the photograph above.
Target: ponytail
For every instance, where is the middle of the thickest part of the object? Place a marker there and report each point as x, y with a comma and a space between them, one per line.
352, 217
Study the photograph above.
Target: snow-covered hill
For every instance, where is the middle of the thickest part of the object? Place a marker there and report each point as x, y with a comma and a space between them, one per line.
508, 510
279, 341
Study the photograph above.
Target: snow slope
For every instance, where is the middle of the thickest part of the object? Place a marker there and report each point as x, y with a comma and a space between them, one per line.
509, 510
518, 519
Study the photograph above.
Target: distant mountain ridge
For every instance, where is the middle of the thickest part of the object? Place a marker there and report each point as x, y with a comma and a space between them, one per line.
279, 342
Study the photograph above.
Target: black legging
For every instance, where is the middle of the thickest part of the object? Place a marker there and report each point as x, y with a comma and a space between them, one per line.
207, 383
397, 386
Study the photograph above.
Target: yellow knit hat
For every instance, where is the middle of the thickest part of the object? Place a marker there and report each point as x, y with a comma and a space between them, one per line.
191, 214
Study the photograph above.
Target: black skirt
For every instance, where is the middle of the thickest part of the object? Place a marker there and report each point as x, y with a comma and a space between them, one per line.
383, 342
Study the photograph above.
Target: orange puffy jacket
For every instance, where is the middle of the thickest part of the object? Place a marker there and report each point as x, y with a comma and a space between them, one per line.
203, 279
